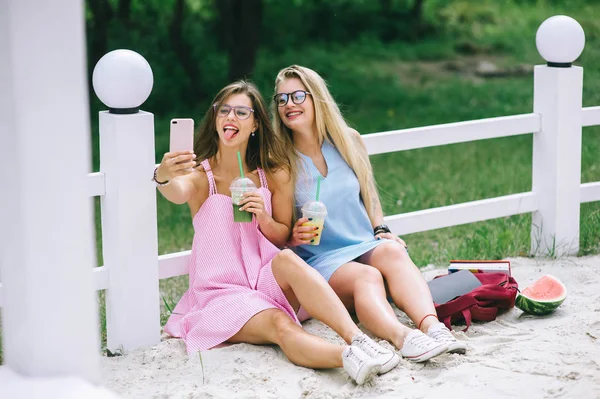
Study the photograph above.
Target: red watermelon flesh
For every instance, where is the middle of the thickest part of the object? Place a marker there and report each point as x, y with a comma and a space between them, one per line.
543, 297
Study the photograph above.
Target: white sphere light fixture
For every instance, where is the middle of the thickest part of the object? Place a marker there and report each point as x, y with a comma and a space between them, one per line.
122, 80
560, 40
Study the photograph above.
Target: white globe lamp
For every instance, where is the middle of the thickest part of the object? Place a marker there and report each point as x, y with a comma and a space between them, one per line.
560, 40
122, 80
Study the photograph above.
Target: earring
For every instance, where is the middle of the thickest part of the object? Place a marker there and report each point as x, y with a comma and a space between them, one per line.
252, 133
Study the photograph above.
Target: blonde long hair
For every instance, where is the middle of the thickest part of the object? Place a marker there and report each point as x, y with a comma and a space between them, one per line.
330, 125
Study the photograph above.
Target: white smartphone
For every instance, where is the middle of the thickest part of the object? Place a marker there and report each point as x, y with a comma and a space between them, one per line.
182, 135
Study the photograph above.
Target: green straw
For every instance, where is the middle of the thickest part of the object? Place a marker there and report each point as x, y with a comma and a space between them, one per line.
240, 163
318, 186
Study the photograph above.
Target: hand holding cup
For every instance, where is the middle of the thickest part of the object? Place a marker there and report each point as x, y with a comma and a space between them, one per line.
254, 203
301, 234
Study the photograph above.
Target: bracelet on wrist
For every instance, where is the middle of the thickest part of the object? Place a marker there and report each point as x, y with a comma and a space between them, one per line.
382, 228
159, 183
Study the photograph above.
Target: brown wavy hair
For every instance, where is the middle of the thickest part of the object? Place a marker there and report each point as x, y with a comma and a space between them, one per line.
265, 150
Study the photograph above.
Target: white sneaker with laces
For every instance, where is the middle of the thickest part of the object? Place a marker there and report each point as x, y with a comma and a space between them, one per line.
419, 347
359, 365
440, 333
387, 358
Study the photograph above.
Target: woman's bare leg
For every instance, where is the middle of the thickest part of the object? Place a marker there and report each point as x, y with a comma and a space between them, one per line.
361, 288
406, 284
303, 285
273, 326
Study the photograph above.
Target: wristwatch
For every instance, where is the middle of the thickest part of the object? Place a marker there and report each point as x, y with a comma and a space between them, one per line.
382, 228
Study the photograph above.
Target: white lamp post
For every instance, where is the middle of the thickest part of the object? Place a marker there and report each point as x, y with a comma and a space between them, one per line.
123, 80
560, 41
50, 321
557, 147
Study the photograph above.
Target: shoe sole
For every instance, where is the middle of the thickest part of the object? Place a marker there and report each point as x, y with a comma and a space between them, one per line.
373, 370
460, 349
390, 364
438, 350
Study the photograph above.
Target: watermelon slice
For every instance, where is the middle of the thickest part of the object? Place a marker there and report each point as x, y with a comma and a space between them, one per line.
543, 297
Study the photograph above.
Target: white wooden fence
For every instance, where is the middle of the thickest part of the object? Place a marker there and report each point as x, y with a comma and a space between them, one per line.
129, 216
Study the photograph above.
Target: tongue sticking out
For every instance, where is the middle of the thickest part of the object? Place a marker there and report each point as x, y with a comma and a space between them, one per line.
229, 133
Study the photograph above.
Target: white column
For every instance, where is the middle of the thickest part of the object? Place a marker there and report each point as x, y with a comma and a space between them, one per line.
50, 322
556, 165
557, 160
129, 230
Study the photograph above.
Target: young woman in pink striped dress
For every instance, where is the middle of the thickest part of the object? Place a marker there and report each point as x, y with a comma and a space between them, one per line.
242, 288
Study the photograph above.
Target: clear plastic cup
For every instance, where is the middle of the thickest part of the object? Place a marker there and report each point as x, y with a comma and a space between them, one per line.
316, 211
238, 187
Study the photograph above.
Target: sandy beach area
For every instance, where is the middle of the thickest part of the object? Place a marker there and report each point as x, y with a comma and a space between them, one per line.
516, 356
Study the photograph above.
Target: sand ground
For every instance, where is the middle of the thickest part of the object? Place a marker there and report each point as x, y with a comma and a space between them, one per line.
516, 356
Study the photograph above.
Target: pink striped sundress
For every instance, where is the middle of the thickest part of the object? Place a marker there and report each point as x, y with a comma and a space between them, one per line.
230, 276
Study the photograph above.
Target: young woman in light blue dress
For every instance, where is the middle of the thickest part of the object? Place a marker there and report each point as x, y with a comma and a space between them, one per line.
357, 253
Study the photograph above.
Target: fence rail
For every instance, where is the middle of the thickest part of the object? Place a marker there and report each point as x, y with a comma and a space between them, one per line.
590, 192
463, 213
451, 133
590, 116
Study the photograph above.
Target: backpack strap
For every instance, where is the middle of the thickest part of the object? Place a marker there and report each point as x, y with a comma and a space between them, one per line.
456, 306
211, 179
466, 315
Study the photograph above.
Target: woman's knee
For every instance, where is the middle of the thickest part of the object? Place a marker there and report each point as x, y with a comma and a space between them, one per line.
393, 249
369, 274
287, 261
283, 326
350, 277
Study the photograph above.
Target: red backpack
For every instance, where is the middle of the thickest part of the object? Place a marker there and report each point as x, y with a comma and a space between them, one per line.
496, 294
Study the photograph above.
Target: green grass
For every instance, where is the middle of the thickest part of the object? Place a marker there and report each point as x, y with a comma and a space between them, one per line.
401, 85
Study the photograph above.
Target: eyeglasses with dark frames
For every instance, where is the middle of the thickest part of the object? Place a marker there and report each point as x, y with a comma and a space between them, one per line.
298, 97
240, 111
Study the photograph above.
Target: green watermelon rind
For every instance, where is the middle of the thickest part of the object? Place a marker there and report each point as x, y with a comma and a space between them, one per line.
540, 307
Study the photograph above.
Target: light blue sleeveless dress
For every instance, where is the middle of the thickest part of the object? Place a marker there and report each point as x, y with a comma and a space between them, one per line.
347, 233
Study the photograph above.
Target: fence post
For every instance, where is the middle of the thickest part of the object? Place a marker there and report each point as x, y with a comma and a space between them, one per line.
50, 319
123, 81
556, 164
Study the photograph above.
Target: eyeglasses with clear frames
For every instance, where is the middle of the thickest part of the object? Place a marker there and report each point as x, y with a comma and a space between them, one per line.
241, 112
298, 97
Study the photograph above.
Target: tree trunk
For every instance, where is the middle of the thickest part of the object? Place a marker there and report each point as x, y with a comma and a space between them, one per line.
241, 22
417, 11
183, 50
125, 11
102, 13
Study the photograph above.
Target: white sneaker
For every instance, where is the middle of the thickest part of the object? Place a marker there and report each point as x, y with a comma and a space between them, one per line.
440, 333
419, 347
359, 365
387, 358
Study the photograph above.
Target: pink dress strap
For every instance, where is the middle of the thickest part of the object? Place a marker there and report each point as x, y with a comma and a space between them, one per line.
263, 178
211, 179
